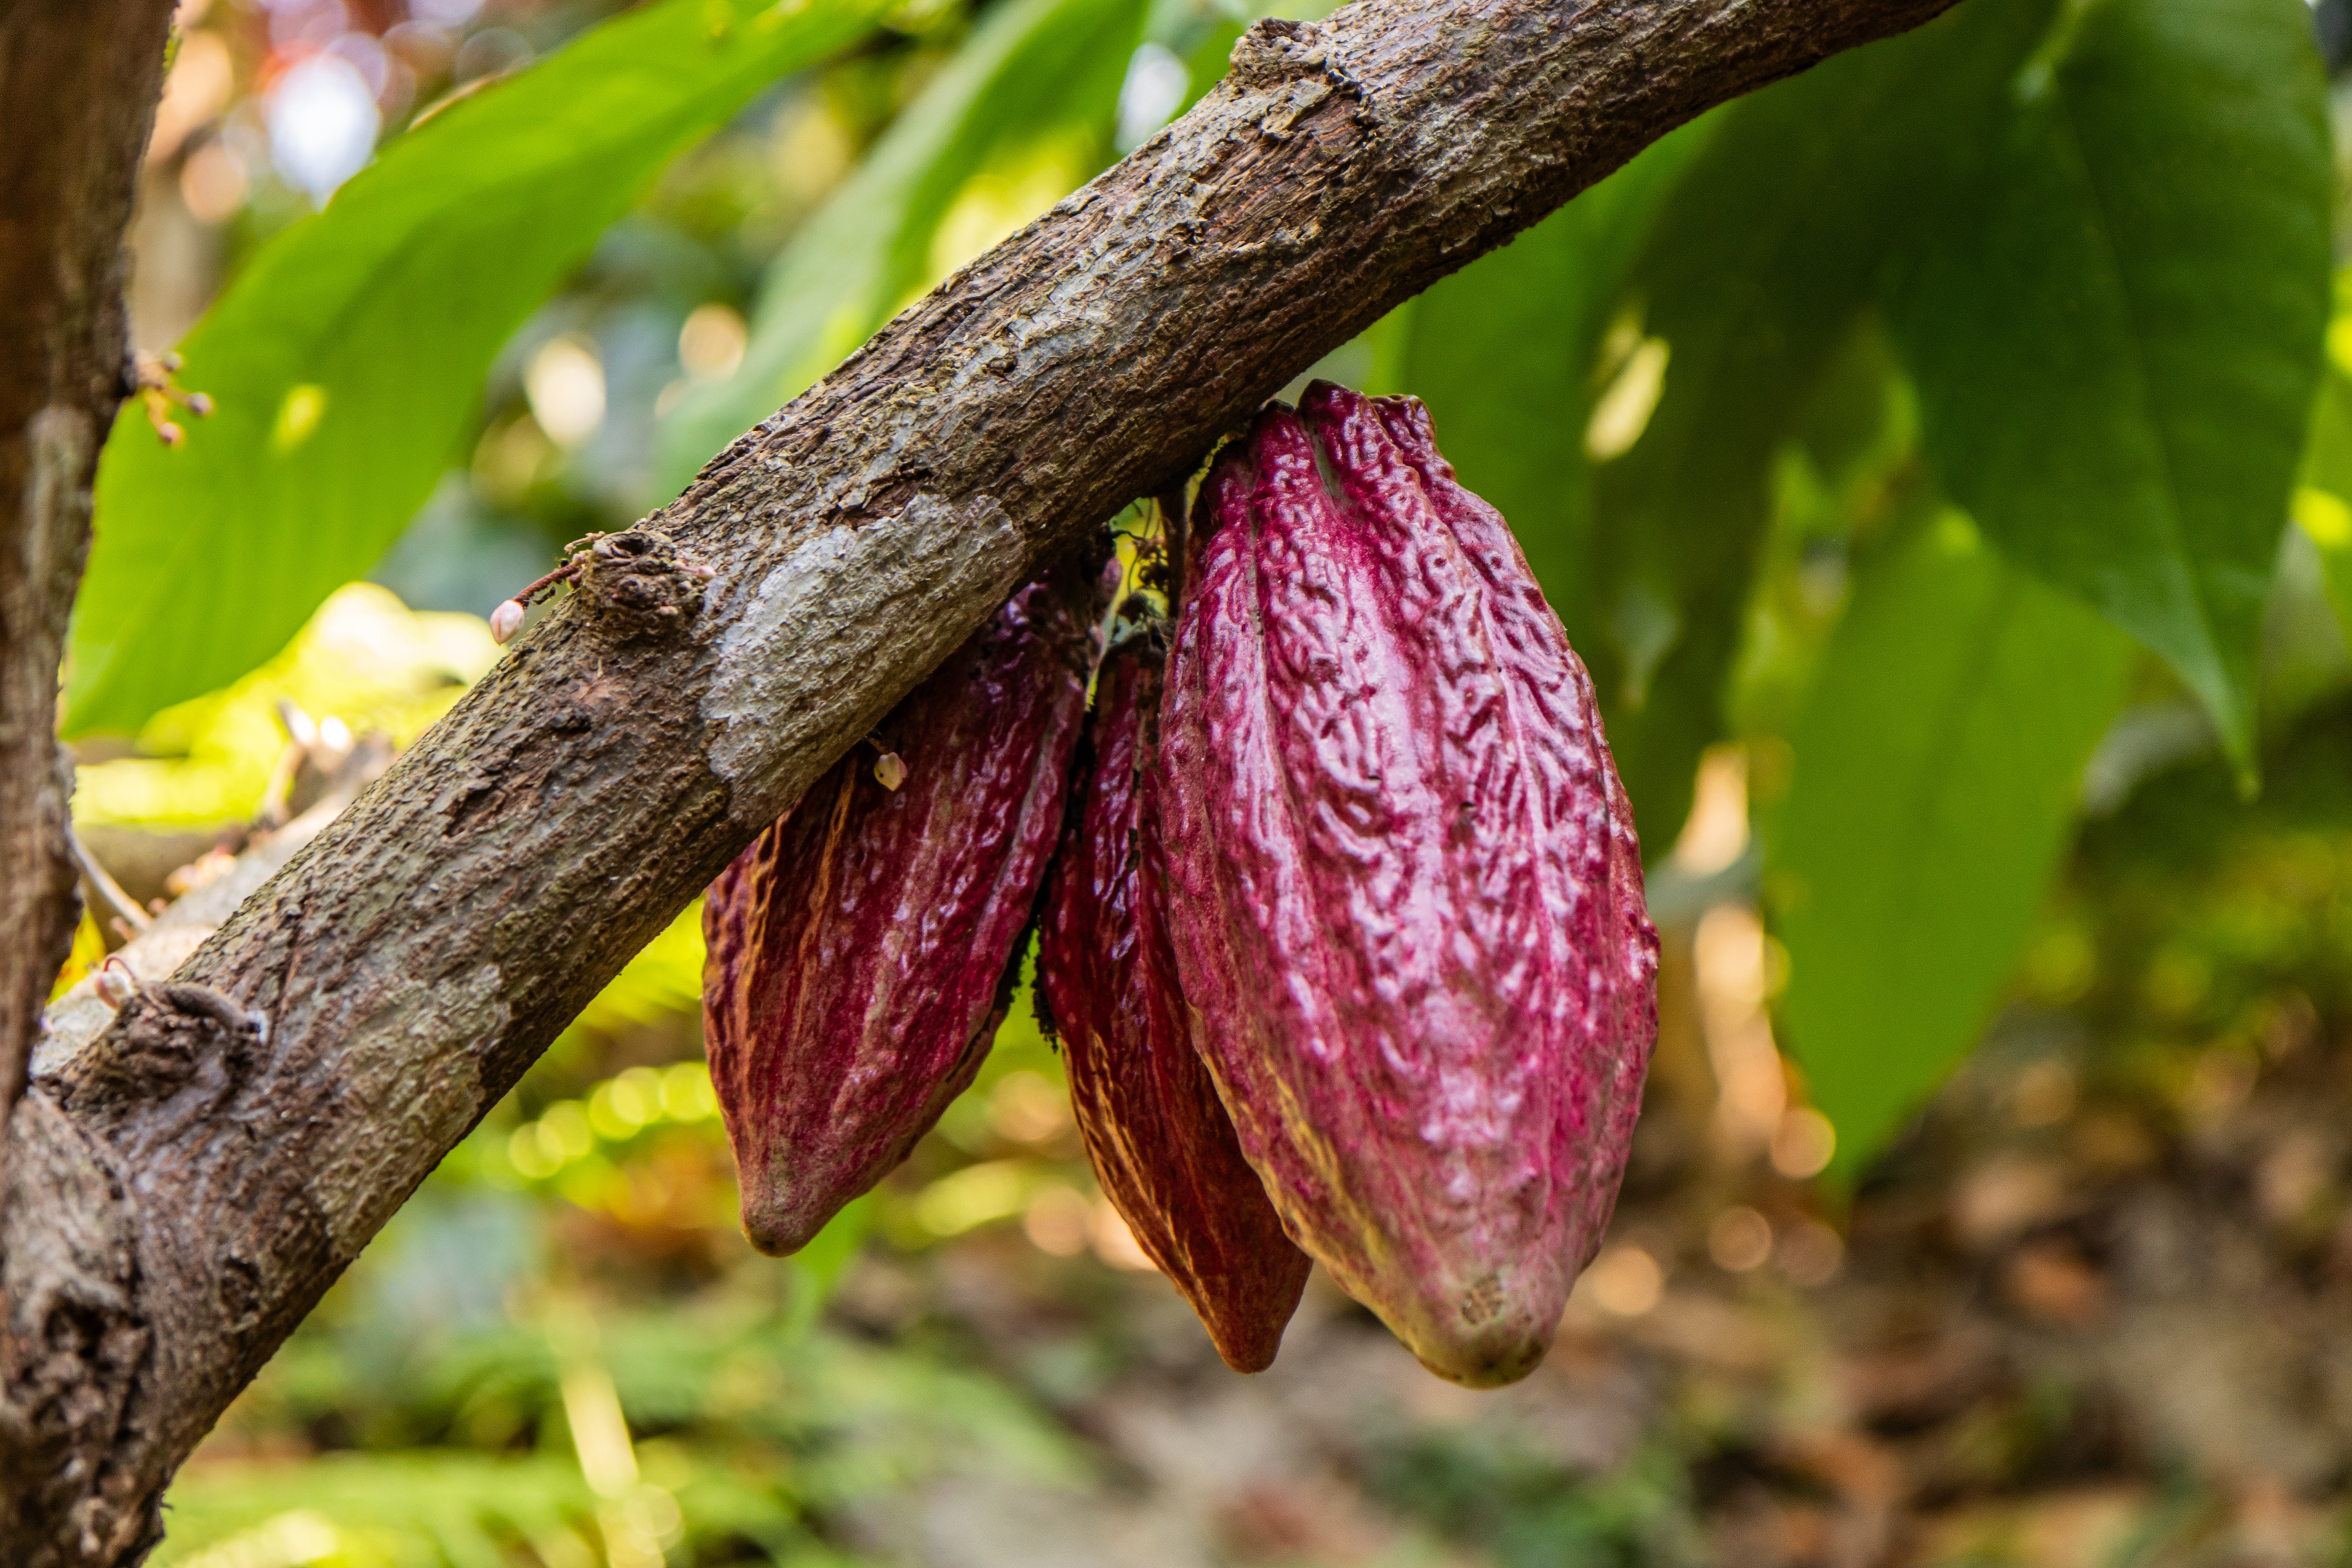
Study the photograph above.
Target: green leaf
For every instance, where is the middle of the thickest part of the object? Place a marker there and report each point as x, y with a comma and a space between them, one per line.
2114, 306
1030, 68
1937, 768
1752, 277
346, 359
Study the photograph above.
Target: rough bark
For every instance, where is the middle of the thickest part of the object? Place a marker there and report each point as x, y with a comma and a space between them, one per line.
77, 90
200, 1172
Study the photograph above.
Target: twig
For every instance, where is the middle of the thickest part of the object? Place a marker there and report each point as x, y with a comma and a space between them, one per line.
124, 908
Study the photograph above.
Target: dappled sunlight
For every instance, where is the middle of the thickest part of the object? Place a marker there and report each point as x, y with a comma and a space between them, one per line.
365, 662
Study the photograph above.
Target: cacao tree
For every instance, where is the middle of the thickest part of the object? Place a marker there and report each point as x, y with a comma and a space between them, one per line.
1910, 420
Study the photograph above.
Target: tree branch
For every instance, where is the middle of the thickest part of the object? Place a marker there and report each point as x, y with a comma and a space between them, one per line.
78, 89
204, 1168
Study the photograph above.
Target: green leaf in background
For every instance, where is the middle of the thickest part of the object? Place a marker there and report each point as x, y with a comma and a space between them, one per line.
346, 360
2114, 308
1030, 68
1936, 772
1748, 283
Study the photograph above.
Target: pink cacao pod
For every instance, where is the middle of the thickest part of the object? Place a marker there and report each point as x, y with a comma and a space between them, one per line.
859, 951
1406, 890
1160, 1141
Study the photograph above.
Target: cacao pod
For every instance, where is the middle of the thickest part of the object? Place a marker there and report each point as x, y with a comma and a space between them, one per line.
859, 952
1160, 1141
1406, 890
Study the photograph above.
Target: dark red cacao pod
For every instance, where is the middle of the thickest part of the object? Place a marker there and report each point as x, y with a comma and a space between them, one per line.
1406, 887
1160, 1141
858, 953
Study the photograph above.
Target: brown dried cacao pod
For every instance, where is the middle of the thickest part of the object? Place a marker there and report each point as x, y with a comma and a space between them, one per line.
1406, 891
1160, 1141
858, 952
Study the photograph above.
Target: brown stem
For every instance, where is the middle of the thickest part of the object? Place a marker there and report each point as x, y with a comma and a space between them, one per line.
79, 80
415, 957
119, 905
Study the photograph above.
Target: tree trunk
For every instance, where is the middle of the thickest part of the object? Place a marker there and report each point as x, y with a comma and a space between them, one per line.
78, 88
190, 1182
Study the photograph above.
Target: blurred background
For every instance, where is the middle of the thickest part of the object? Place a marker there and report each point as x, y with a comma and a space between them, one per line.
2091, 1305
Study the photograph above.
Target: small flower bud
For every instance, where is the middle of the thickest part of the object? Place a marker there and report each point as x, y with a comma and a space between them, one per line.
115, 985
889, 771
506, 620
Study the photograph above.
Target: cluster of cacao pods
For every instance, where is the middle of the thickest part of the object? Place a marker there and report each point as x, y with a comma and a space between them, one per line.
1337, 902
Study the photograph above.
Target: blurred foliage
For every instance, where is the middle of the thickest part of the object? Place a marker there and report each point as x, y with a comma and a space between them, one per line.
365, 660
1030, 98
333, 412
1530, 1511
1937, 769
2196, 920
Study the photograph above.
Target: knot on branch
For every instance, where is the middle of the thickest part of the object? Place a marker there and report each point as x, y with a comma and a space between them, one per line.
161, 1041
1300, 67
639, 585
1274, 50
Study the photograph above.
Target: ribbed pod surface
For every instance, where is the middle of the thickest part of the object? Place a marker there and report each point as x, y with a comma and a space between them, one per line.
1404, 880
857, 952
